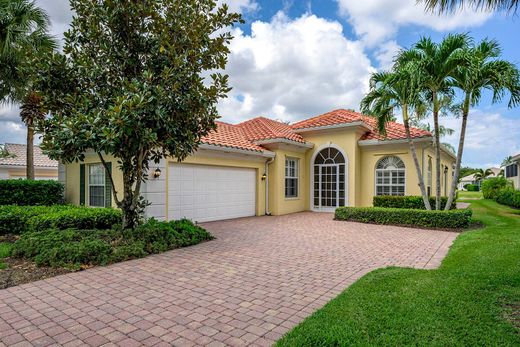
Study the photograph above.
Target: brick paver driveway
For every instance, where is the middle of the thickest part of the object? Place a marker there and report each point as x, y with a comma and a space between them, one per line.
258, 279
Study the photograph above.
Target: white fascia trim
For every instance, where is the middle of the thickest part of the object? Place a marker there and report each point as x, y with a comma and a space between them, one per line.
448, 152
392, 142
286, 141
265, 153
335, 126
516, 157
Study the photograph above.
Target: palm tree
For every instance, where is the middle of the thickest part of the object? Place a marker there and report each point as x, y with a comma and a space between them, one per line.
24, 39
396, 90
445, 6
481, 174
435, 63
483, 71
507, 160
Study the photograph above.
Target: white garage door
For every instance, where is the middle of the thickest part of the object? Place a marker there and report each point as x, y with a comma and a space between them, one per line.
206, 193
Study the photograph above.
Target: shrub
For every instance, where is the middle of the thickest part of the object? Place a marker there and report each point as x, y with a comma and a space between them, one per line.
508, 196
413, 202
30, 192
74, 248
456, 219
77, 218
19, 219
491, 186
472, 187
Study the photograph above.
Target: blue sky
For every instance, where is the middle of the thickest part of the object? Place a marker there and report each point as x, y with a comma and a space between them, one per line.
294, 59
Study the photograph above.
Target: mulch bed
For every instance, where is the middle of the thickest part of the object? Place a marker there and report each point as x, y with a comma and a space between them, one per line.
20, 271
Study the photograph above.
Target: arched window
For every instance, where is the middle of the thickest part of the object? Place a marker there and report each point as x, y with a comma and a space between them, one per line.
390, 176
329, 179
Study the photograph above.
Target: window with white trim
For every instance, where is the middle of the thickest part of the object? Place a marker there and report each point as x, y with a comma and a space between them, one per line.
390, 176
96, 185
291, 178
512, 170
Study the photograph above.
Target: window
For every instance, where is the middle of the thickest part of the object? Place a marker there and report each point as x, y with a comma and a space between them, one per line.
390, 176
96, 185
291, 178
429, 183
329, 178
512, 170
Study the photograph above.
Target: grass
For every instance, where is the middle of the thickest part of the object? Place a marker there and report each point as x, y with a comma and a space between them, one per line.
5, 251
469, 195
466, 302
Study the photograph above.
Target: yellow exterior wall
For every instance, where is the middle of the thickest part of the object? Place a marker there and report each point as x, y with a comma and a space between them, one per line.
38, 173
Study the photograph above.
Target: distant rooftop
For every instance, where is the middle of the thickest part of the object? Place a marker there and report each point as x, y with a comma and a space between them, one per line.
18, 156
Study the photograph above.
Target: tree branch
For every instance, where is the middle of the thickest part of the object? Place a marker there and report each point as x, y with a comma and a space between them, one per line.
105, 165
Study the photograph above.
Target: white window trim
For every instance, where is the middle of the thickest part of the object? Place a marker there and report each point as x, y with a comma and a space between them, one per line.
390, 184
297, 174
95, 185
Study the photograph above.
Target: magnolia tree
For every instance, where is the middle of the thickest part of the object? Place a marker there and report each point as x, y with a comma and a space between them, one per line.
129, 84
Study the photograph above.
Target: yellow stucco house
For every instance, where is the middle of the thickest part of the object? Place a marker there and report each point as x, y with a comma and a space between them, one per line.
262, 166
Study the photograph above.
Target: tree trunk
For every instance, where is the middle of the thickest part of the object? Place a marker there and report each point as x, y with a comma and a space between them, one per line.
465, 113
424, 194
437, 152
30, 150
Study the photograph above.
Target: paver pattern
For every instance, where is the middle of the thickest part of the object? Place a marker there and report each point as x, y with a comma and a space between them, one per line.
257, 280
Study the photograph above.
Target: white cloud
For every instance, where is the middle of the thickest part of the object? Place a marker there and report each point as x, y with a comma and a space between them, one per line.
376, 20
386, 54
241, 6
291, 69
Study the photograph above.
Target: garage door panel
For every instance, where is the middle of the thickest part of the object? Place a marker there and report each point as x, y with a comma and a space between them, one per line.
205, 193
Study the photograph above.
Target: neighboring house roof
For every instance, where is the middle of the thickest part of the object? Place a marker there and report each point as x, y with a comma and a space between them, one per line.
250, 134
471, 177
18, 156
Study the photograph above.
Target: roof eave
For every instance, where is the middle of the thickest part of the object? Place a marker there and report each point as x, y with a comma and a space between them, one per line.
306, 145
229, 149
335, 126
376, 142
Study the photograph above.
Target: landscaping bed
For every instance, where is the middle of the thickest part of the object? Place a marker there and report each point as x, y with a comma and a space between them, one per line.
472, 299
37, 242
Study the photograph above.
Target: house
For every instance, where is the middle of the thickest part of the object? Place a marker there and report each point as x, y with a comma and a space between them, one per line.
472, 179
14, 165
511, 171
263, 166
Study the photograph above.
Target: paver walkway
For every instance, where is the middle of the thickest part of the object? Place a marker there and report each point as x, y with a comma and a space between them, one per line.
257, 280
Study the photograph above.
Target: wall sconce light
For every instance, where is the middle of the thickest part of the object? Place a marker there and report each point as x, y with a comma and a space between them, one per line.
157, 173
264, 176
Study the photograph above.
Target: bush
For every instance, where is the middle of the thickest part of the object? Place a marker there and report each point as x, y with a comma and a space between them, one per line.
413, 202
491, 186
472, 187
455, 219
30, 192
19, 219
76, 248
77, 218
508, 196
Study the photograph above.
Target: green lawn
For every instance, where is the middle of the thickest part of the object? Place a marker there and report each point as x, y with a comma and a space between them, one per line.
471, 195
5, 250
463, 303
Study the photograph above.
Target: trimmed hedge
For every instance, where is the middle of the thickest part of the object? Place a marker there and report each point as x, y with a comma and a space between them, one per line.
30, 192
454, 219
75, 248
411, 202
472, 187
19, 219
491, 186
508, 196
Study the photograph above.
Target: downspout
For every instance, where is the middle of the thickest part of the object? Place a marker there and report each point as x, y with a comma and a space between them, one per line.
267, 212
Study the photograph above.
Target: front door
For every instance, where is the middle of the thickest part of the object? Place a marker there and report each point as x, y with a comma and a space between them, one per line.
329, 187
329, 180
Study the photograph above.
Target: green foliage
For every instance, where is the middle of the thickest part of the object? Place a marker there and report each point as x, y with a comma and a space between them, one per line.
142, 83
472, 187
456, 219
414, 202
465, 171
76, 248
19, 219
508, 196
30, 192
491, 186
464, 302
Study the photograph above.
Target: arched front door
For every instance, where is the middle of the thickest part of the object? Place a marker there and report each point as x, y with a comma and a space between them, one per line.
329, 189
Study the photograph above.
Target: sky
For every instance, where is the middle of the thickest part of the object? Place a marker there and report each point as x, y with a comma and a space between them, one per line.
294, 59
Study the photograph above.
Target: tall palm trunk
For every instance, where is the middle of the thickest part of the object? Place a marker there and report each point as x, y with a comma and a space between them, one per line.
437, 152
424, 194
465, 113
30, 151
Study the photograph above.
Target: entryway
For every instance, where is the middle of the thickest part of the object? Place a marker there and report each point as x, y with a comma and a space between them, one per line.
329, 180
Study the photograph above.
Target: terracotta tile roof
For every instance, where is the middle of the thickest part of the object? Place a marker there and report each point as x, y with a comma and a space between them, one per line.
228, 135
394, 131
262, 128
19, 151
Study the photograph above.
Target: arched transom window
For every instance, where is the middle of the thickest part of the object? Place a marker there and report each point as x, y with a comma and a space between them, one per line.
329, 179
390, 176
